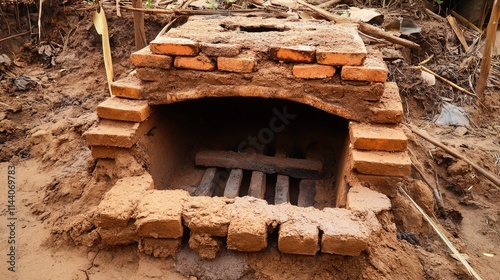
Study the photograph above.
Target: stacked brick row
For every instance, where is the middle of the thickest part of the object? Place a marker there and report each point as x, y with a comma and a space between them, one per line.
308, 62
378, 155
157, 220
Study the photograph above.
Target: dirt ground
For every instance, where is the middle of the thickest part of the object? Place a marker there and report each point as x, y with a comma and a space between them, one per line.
58, 184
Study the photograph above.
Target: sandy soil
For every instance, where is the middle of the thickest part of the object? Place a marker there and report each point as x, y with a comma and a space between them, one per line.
58, 184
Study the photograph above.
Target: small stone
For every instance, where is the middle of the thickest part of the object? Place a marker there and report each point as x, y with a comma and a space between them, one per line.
460, 131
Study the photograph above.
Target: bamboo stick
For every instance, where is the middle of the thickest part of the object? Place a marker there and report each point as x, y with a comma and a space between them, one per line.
465, 21
490, 40
363, 27
458, 32
423, 68
15, 35
495, 180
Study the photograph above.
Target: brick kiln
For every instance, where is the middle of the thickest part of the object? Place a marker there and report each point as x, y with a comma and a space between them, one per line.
251, 128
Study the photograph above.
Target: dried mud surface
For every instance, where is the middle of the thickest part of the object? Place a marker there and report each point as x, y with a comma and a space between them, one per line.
59, 185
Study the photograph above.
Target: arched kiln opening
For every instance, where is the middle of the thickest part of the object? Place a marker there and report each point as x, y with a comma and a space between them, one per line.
273, 149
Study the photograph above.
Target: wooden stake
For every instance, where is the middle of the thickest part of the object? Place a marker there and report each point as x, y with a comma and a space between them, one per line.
458, 32
363, 27
490, 41
495, 180
139, 32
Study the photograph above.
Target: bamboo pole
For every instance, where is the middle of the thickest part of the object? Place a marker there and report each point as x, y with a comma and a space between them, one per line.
363, 27
494, 179
452, 84
490, 40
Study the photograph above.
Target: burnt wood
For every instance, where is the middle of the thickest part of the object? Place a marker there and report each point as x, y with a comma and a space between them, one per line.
296, 168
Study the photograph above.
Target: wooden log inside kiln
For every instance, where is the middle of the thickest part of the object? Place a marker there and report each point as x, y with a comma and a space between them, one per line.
307, 192
207, 184
297, 168
257, 185
233, 183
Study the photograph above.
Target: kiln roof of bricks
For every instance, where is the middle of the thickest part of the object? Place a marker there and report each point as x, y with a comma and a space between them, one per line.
317, 63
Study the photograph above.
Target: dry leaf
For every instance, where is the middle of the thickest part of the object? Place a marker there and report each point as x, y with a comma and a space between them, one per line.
101, 25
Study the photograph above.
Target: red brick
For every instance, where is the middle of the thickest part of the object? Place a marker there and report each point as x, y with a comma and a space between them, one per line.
377, 137
389, 109
293, 54
128, 87
201, 62
247, 234
174, 46
340, 55
107, 152
381, 163
344, 233
363, 199
313, 71
115, 108
298, 238
206, 215
121, 134
387, 185
236, 64
118, 205
159, 214
373, 69
145, 58
226, 50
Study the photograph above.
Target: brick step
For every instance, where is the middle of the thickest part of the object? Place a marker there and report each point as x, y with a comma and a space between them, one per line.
387, 185
145, 58
121, 109
389, 108
377, 137
128, 87
381, 163
162, 215
373, 69
110, 133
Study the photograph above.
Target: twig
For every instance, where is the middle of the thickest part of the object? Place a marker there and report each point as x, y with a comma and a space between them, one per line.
438, 189
465, 21
426, 60
490, 41
363, 27
185, 5
458, 32
40, 21
433, 15
165, 29
15, 35
329, 3
423, 68
482, 171
437, 194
